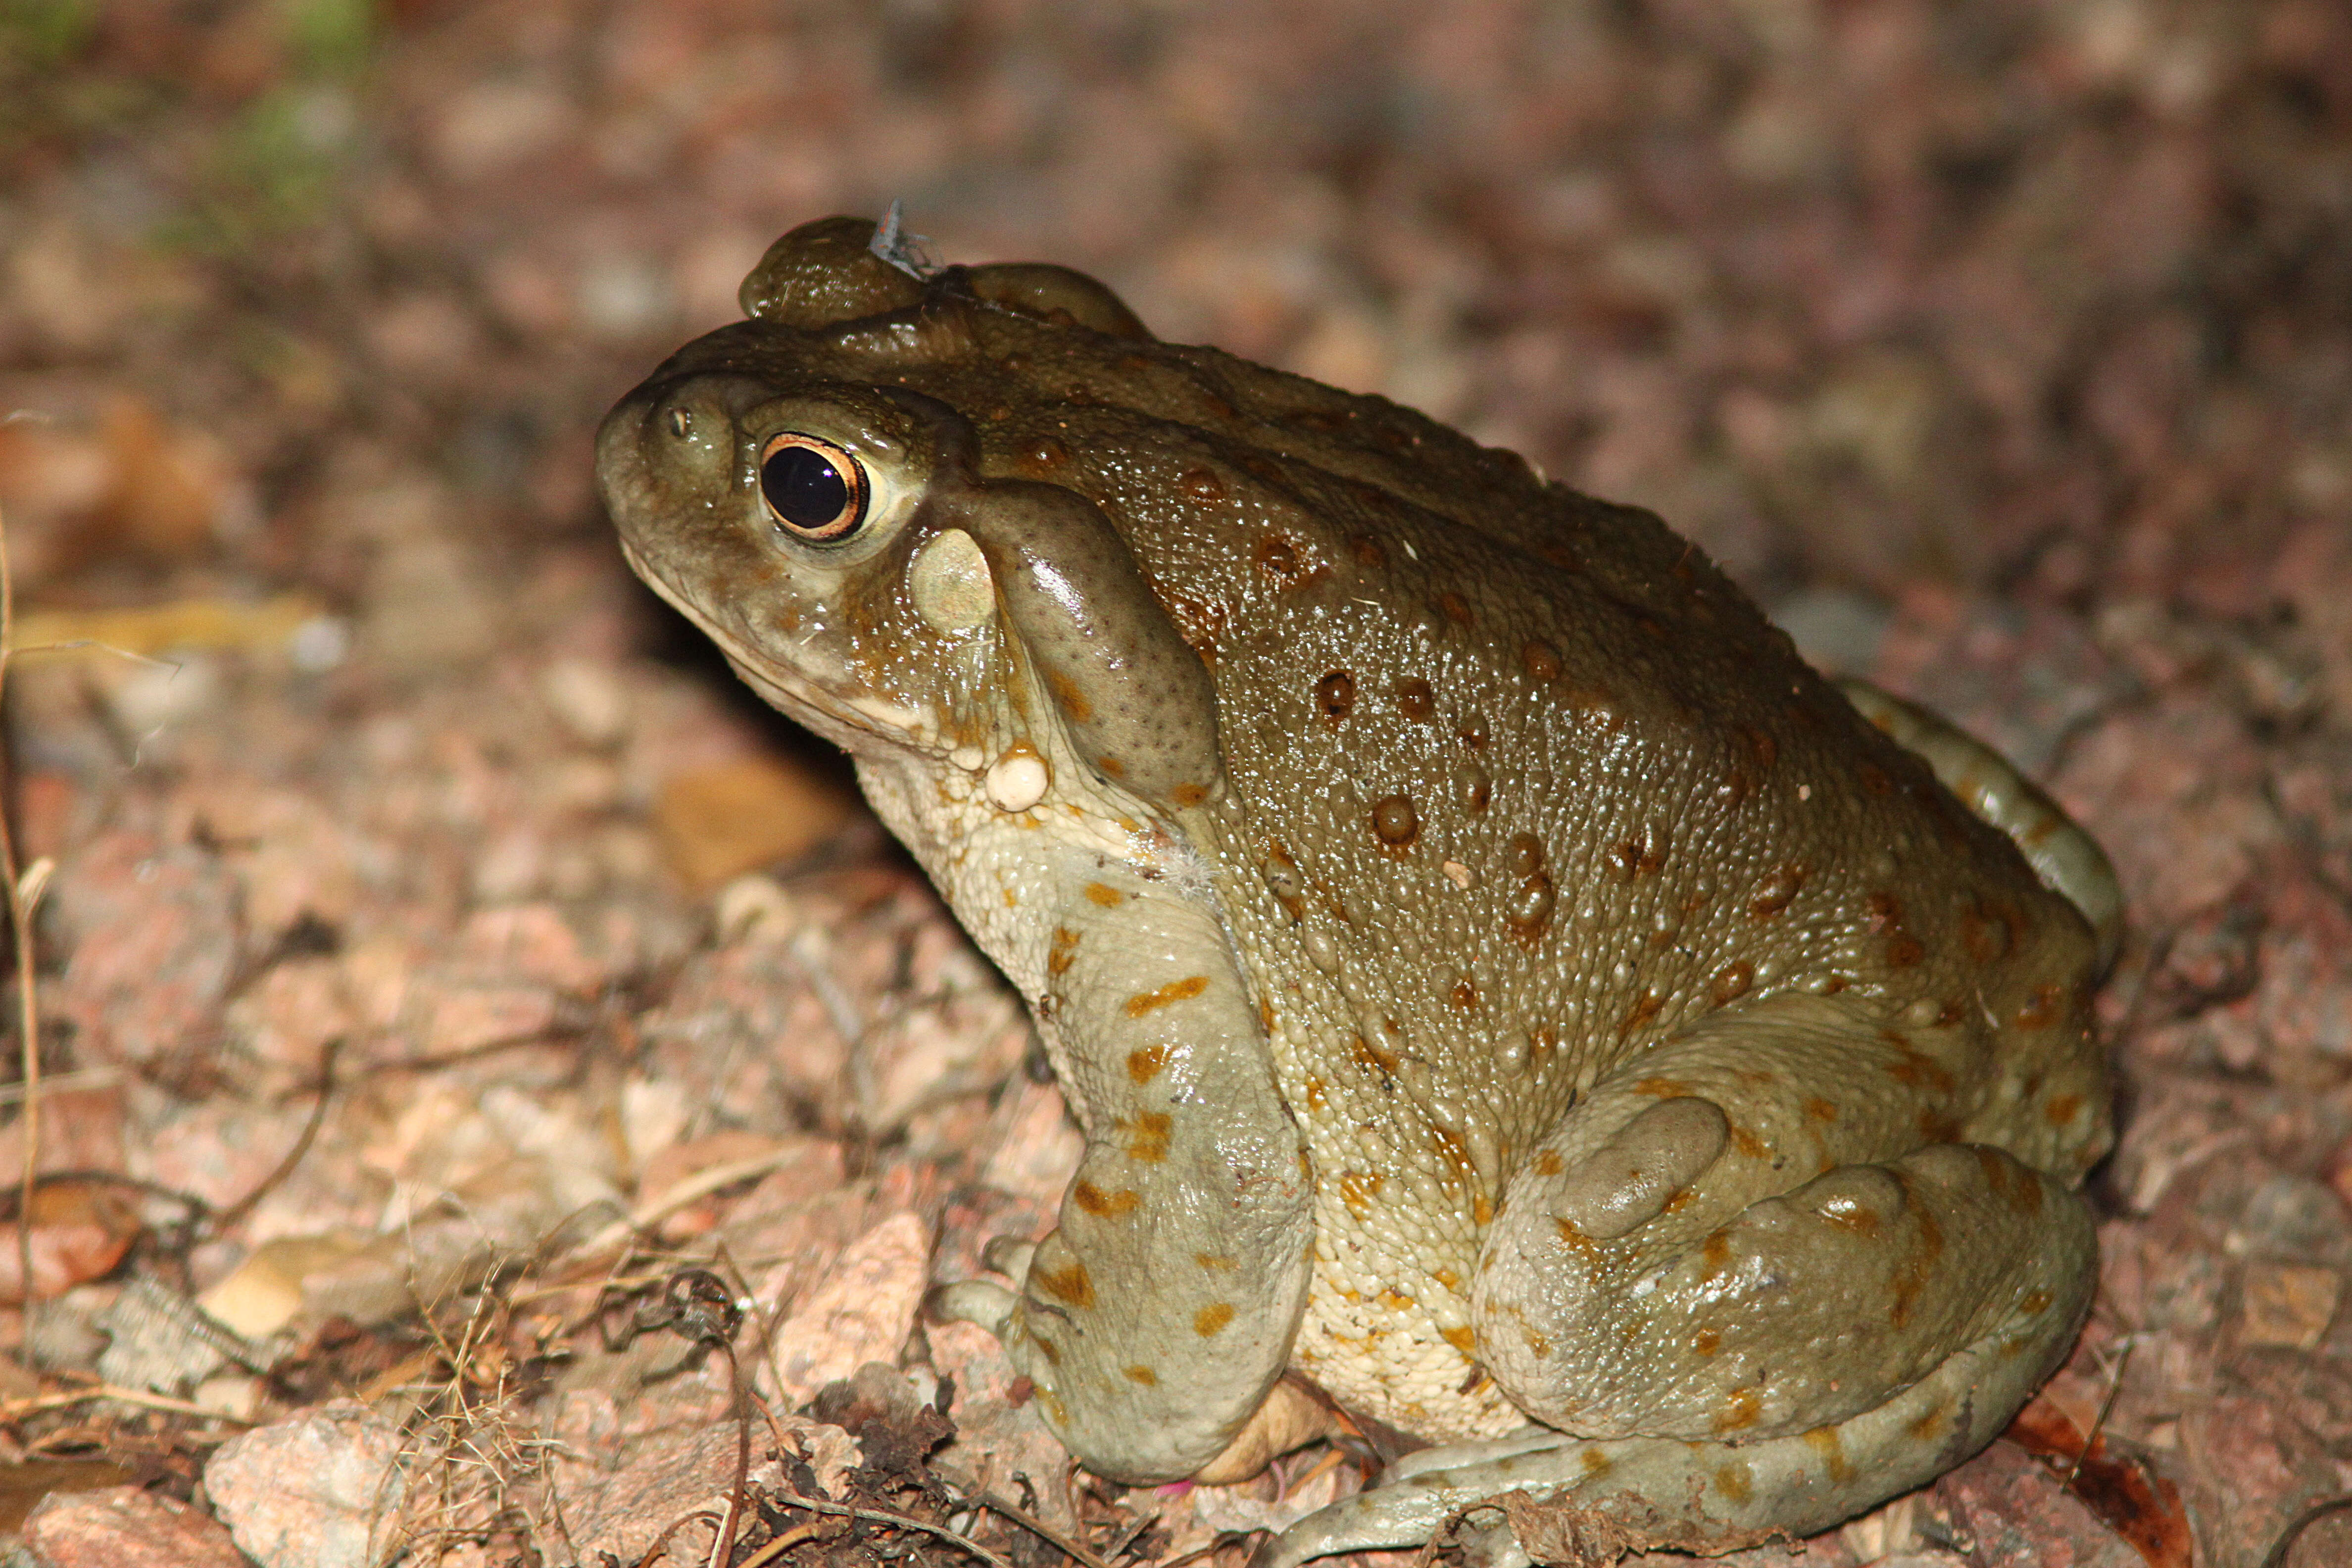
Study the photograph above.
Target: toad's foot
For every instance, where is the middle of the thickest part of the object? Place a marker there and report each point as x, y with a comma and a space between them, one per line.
1639, 1493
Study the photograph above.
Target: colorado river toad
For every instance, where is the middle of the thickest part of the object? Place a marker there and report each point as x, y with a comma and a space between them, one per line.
1502, 987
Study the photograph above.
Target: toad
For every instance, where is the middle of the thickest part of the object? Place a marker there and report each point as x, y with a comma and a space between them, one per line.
1511, 1001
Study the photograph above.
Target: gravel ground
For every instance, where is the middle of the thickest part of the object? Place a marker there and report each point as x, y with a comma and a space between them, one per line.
404, 1010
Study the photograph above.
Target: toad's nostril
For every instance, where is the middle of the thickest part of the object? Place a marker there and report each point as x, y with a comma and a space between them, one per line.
681, 423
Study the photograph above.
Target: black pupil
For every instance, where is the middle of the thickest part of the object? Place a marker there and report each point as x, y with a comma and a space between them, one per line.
805, 488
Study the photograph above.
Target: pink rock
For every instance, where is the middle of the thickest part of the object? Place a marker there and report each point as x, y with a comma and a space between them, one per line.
154, 943
126, 1527
321, 1490
862, 1311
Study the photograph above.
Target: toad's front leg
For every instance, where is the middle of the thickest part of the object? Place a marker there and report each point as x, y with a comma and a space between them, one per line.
1156, 1317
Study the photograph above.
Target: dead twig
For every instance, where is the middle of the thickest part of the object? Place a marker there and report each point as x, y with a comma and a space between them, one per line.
2277, 1556
902, 1522
1038, 1527
227, 1218
2099, 1422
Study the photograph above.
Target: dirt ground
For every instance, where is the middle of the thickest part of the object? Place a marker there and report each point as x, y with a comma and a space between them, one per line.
456, 994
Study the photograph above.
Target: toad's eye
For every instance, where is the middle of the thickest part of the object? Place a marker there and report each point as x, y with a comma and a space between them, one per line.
812, 488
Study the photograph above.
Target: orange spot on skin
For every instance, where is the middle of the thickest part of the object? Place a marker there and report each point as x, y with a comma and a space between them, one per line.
1215, 1262
1358, 1189
1707, 1341
1930, 1424
1314, 1095
1915, 1068
1735, 1482
1824, 1441
1182, 990
1147, 1139
1464, 994
1209, 1320
2062, 1109
1850, 1215
1647, 1009
1715, 1253
1597, 1463
1547, 1163
1779, 890
1453, 607
2036, 1302
1144, 1375
1266, 1015
1063, 953
1367, 1054
1985, 936
1820, 1110
1913, 1277
1995, 1170
2029, 1195
1187, 796
1201, 484
1104, 1205
1284, 563
1538, 1345
1639, 856
1107, 896
1463, 1338
1938, 1127
1143, 1066
1394, 1301
1335, 694
1748, 1143
1447, 1277
1739, 1412
1663, 1088
1482, 1213
1070, 1284
1068, 696
1396, 822
1731, 983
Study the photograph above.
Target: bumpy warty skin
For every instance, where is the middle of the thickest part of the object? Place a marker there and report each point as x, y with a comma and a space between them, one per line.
1499, 980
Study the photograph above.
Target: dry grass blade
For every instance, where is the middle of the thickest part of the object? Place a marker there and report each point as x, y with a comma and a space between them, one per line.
17, 1409
20, 929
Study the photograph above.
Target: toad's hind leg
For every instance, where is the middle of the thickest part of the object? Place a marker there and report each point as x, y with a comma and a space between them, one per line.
2067, 859
1758, 1284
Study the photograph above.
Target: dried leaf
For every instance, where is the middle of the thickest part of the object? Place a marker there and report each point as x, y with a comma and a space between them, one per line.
2141, 1507
80, 1229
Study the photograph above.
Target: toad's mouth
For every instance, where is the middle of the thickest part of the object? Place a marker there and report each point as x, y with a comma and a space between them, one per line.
854, 723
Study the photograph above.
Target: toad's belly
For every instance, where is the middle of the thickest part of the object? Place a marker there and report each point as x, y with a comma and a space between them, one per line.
1387, 1328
